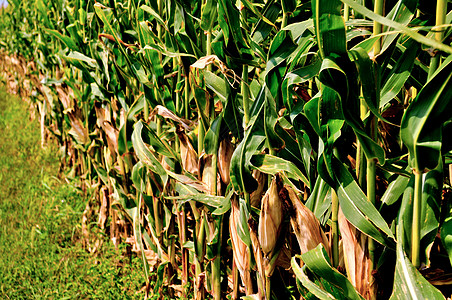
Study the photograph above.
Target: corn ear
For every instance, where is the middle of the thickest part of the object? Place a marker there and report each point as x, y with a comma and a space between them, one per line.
306, 227
270, 218
241, 252
189, 157
225, 151
256, 196
356, 258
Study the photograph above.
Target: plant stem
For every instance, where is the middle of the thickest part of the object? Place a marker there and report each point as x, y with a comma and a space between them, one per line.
177, 67
284, 20
235, 281
371, 181
244, 84
268, 287
346, 12
200, 251
201, 134
216, 263
378, 9
360, 161
159, 35
183, 239
172, 267
245, 94
186, 98
416, 225
209, 47
441, 10
335, 227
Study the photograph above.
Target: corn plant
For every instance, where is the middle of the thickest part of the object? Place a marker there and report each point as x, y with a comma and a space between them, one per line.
267, 149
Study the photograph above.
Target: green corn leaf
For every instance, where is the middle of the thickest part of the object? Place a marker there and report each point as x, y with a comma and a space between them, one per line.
431, 208
243, 230
320, 200
394, 190
263, 28
100, 12
153, 13
229, 21
146, 154
358, 210
212, 138
240, 172
298, 76
421, 126
400, 72
288, 6
217, 84
64, 38
402, 12
208, 14
369, 80
77, 58
329, 27
398, 26
317, 261
300, 273
408, 282
270, 164
446, 236
219, 204
261, 17
344, 87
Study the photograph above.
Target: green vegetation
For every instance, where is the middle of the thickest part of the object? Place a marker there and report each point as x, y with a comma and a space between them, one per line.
41, 252
267, 148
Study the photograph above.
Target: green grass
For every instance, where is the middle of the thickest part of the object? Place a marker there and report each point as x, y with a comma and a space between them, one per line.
41, 256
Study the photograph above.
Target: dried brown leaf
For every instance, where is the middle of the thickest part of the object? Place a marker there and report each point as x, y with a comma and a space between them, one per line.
168, 114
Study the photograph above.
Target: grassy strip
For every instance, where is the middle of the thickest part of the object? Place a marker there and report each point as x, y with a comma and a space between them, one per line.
40, 251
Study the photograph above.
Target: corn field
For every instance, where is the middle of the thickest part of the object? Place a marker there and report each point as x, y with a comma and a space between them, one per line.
254, 149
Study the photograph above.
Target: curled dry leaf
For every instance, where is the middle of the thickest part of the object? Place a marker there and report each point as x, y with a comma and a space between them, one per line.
168, 114
306, 227
229, 74
239, 248
356, 257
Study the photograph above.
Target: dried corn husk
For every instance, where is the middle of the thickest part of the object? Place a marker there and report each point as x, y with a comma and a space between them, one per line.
259, 259
356, 256
206, 170
241, 253
304, 223
256, 196
189, 157
225, 151
270, 218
